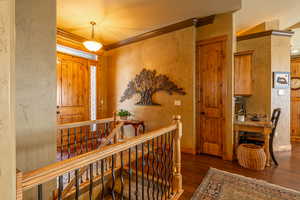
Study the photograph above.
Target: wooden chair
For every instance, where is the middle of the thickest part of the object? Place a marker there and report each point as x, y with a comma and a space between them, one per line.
254, 138
275, 118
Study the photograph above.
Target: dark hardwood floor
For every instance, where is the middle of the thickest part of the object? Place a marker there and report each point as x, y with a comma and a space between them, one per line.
287, 174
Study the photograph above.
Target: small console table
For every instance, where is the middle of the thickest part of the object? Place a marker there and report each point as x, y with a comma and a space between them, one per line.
136, 124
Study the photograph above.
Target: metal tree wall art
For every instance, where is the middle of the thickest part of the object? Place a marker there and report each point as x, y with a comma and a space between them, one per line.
147, 83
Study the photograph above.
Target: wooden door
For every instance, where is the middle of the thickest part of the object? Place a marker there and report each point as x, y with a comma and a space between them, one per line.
243, 73
73, 85
210, 95
295, 102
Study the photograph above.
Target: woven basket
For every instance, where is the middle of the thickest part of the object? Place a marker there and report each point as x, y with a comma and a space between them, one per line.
251, 156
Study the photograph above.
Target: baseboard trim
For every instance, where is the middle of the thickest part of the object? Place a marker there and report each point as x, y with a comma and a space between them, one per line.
283, 148
188, 150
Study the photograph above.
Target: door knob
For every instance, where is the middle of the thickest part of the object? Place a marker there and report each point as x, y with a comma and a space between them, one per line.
57, 112
202, 113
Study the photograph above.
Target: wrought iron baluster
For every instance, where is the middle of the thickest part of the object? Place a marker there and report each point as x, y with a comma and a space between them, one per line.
94, 142
91, 181
157, 166
97, 168
148, 169
153, 167
113, 177
97, 136
143, 160
106, 129
130, 172
69, 152
86, 140
81, 149
164, 180
162, 166
60, 187
121, 175
102, 179
40, 192
77, 185
168, 165
81, 141
61, 144
136, 172
75, 142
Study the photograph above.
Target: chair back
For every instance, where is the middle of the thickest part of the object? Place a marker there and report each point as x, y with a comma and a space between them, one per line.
275, 118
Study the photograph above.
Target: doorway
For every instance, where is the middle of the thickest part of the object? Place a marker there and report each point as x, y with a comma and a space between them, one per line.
295, 100
210, 81
74, 100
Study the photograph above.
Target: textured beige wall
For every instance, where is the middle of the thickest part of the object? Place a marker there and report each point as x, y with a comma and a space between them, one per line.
224, 25
7, 104
271, 54
260, 100
35, 83
172, 54
280, 61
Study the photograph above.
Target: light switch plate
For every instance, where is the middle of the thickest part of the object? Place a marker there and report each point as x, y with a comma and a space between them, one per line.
177, 103
281, 92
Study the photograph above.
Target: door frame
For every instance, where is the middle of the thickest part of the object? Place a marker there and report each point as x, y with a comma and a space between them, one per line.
224, 39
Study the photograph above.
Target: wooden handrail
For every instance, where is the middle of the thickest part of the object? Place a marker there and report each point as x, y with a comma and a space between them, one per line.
112, 135
84, 123
47, 173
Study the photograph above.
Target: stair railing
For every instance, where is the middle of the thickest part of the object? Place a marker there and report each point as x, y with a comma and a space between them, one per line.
80, 137
145, 166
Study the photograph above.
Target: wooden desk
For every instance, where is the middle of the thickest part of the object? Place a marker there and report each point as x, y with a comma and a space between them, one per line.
263, 127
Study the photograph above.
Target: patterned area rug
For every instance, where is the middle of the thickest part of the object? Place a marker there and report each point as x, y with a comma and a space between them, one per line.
221, 185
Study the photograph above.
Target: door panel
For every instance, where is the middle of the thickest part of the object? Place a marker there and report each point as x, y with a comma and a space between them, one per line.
72, 89
295, 102
210, 107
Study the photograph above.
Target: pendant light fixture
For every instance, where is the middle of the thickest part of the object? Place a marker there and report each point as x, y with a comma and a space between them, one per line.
92, 45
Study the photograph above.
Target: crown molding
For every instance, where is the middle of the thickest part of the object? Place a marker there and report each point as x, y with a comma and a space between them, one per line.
65, 34
265, 33
197, 22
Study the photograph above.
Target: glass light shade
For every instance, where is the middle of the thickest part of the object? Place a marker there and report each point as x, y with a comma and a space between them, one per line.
92, 45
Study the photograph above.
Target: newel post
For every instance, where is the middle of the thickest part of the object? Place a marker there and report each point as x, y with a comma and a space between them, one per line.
19, 189
177, 183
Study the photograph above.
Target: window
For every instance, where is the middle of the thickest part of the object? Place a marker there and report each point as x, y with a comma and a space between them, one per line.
93, 90
75, 52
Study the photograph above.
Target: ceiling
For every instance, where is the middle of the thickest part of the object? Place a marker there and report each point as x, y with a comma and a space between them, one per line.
254, 12
119, 20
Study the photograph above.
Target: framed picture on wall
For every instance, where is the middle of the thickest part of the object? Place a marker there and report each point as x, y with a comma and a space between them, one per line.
281, 80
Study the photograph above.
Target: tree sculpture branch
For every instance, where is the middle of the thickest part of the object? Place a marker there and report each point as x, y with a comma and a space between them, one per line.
146, 83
